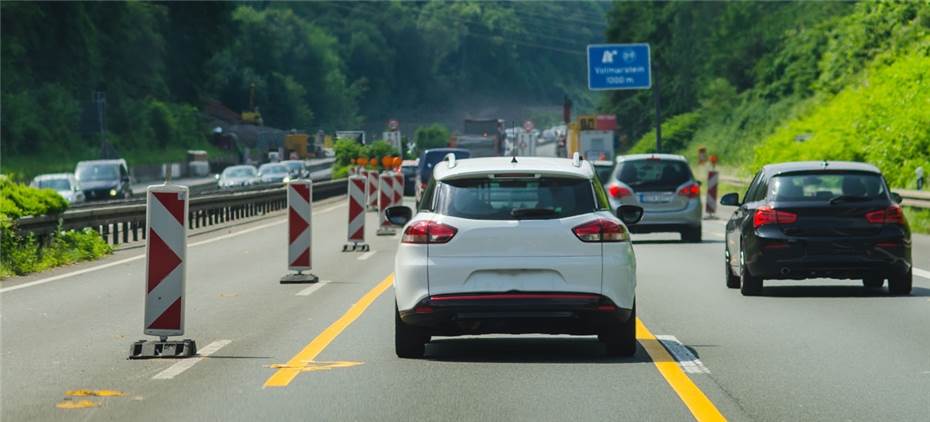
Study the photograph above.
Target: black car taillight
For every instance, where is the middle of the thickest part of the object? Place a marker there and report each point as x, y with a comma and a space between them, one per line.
767, 215
891, 215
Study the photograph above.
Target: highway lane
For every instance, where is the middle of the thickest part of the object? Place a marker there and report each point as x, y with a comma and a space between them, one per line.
832, 351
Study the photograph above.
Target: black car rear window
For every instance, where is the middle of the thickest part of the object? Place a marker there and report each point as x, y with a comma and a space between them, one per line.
652, 174
824, 186
514, 199
97, 172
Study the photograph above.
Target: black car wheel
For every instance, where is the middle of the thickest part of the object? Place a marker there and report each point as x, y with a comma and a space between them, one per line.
873, 282
733, 281
901, 283
620, 339
409, 342
750, 285
692, 235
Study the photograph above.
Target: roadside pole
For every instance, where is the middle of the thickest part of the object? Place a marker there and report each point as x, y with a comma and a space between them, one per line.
655, 93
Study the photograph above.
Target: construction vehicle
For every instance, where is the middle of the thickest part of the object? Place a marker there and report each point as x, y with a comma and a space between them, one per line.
296, 143
482, 137
592, 137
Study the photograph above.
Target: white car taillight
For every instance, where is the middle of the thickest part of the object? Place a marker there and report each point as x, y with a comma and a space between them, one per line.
601, 230
428, 232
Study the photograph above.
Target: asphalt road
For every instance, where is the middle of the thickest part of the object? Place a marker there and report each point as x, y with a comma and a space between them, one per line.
813, 350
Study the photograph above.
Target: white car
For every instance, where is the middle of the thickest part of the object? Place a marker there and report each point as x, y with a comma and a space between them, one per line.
514, 245
64, 183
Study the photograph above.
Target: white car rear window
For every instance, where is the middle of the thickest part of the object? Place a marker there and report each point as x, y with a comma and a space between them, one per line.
514, 199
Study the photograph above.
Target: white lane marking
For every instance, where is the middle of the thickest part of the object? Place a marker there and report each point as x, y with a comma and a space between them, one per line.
688, 362
137, 257
366, 255
71, 274
309, 290
178, 368
922, 273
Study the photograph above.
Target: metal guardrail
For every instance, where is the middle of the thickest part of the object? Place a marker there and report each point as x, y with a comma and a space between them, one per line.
125, 222
912, 198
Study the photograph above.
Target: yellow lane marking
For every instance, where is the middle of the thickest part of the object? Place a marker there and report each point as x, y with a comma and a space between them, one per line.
319, 366
285, 374
700, 406
75, 404
94, 393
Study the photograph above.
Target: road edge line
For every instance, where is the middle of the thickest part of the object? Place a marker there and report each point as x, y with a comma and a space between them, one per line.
284, 375
694, 399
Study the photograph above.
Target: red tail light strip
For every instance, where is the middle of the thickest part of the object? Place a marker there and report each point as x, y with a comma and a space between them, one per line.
516, 296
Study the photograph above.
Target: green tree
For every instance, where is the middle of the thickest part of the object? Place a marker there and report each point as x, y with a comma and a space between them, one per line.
432, 136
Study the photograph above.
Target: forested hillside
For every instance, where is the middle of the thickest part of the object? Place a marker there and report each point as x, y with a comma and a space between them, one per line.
766, 82
314, 65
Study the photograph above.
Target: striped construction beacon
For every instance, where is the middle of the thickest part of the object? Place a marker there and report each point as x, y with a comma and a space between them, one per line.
712, 182
299, 215
385, 200
356, 194
373, 190
165, 259
398, 188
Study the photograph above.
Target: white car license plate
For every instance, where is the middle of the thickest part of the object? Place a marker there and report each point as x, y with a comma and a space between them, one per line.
654, 197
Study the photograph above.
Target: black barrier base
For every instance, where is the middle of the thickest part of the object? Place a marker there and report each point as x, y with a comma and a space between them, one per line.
143, 349
299, 278
355, 247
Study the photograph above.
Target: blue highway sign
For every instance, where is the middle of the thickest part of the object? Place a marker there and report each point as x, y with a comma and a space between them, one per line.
619, 66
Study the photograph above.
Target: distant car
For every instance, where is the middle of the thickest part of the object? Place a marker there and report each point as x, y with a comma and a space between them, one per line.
818, 219
64, 183
428, 159
665, 187
296, 168
273, 173
502, 247
604, 169
235, 176
409, 168
102, 180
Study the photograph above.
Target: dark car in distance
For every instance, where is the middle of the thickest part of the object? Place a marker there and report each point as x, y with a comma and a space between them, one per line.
824, 219
430, 158
103, 180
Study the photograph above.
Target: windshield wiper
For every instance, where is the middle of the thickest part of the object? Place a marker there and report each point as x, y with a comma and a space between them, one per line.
533, 212
849, 198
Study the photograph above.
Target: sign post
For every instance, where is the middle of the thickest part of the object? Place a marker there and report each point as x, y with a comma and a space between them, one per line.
624, 66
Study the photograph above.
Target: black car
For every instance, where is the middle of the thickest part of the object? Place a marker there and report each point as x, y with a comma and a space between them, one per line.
103, 180
822, 219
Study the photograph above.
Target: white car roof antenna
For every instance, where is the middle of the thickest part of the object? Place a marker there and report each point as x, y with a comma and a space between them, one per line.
450, 157
576, 159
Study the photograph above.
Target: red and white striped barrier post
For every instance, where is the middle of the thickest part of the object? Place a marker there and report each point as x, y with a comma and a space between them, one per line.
398, 188
356, 194
373, 190
299, 232
385, 200
166, 212
710, 206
